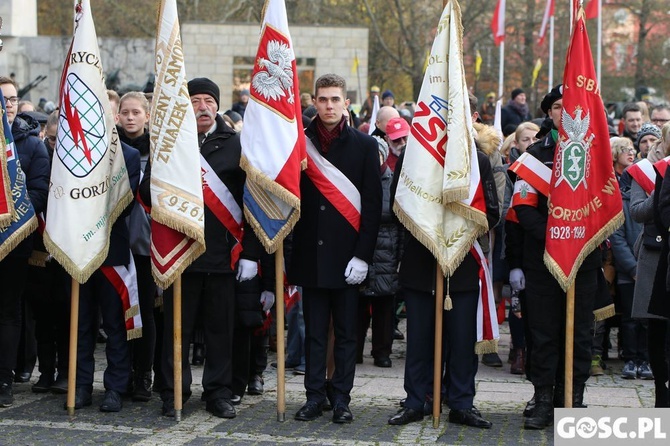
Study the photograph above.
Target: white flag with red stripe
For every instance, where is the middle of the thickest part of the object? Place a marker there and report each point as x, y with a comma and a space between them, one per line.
177, 209
124, 280
548, 14
273, 141
498, 23
439, 196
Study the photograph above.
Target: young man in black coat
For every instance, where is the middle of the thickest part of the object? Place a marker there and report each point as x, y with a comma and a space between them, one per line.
333, 243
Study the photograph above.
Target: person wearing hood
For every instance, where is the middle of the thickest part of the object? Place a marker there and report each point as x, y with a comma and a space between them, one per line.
516, 110
14, 267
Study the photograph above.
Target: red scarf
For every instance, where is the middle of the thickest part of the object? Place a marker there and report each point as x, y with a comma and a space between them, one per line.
326, 137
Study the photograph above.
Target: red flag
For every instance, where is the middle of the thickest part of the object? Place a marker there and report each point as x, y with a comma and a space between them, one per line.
548, 13
592, 9
498, 23
585, 204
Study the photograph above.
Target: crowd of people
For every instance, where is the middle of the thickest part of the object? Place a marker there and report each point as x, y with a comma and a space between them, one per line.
350, 271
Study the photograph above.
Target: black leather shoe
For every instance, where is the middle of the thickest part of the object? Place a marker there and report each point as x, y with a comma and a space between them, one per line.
468, 417
342, 414
491, 360
44, 383
255, 386
236, 400
23, 377
142, 387
397, 335
60, 385
383, 362
82, 398
406, 416
111, 402
309, 412
221, 408
168, 407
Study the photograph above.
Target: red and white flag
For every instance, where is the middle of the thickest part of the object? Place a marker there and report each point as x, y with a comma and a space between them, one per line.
585, 204
548, 14
177, 207
124, 280
273, 141
498, 23
89, 180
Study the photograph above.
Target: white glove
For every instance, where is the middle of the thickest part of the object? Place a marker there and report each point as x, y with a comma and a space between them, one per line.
355, 271
268, 300
246, 270
517, 281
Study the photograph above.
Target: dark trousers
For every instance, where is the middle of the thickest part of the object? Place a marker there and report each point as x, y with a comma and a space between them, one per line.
545, 303
516, 330
382, 317
142, 349
659, 353
633, 331
459, 337
98, 297
213, 296
318, 307
249, 356
49, 300
13, 274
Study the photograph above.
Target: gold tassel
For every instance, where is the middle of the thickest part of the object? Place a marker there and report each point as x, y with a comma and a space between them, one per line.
448, 304
604, 313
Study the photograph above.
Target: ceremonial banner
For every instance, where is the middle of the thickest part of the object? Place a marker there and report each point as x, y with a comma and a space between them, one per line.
373, 116
17, 214
585, 204
439, 197
177, 208
89, 180
273, 141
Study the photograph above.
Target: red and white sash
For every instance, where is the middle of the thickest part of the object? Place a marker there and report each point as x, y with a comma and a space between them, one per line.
124, 281
644, 174
524, 194
533, 171
221, 202
662, 165
334, 185
487, 322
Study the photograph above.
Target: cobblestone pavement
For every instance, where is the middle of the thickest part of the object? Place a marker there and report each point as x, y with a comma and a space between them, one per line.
39, 419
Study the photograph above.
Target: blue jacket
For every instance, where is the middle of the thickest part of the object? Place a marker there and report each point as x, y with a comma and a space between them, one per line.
623, 239
35, 165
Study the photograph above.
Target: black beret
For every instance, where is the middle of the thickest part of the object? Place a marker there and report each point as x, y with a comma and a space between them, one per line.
554, 95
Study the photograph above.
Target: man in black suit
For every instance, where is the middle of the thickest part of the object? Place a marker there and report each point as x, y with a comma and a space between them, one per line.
333, 243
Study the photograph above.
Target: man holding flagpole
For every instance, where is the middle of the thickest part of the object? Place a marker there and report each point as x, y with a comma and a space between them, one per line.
571, 204
27, 183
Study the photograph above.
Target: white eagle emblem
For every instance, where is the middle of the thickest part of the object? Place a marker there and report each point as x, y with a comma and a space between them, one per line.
573, 160
275, 79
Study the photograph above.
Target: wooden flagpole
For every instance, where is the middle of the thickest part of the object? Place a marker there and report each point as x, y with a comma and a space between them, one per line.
72, 365
569, 343
437, 364
177, 347
279, 310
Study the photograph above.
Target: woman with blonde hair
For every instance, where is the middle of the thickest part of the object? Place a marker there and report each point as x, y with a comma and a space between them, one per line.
524, 136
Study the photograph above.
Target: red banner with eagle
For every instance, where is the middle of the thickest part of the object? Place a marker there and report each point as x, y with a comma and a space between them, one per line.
585, 204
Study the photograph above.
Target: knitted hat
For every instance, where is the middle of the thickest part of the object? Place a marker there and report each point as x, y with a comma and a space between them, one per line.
383, 147
202, 85
554, 95
647, 129
374, 89
387, 94
516, 92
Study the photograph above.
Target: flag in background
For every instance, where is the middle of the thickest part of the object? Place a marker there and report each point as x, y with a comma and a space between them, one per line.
498, 23
592, 9
548, 14
273, 141
536, 71
89, 179
177, 207
584, 199
373, 115
478, 64
354, 66
19, 216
